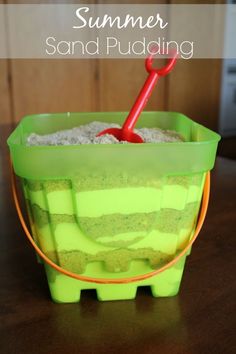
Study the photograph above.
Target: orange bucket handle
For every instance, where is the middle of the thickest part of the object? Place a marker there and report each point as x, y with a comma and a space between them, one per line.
202, 215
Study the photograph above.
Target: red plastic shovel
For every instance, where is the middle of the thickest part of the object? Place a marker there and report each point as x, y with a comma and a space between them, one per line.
126, 132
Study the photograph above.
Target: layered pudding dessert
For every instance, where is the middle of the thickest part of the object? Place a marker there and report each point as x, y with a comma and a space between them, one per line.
113, 219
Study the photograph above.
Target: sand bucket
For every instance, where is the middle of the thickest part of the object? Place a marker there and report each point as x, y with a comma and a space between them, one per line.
113, 217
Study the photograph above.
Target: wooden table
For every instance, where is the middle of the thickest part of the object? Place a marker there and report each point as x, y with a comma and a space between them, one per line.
201, 319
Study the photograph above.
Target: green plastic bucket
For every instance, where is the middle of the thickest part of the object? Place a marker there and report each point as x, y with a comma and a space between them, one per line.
113, 211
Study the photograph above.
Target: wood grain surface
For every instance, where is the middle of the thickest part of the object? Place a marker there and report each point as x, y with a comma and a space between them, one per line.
194, 90
5, 93
39, 86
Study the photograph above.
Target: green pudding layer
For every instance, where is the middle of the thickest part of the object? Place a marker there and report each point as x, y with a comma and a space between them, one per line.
164, 220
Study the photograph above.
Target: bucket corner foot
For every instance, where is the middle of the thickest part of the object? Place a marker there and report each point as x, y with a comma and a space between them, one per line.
116, 292
165, 290
63, 292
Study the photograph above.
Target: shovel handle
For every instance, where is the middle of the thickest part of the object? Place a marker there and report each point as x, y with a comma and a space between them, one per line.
165, 69
146, 90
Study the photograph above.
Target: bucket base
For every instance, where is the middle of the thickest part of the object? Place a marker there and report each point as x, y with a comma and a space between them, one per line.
68, 290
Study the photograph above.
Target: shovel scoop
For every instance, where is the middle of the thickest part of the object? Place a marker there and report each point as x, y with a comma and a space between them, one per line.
126, 133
